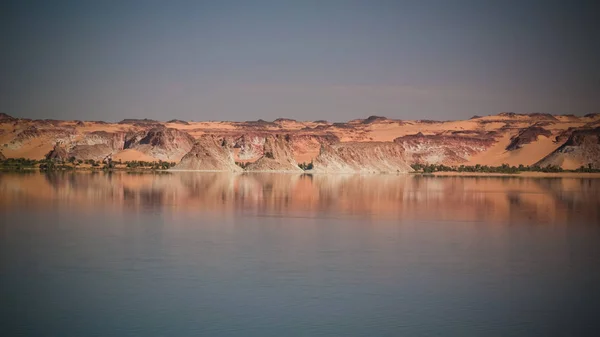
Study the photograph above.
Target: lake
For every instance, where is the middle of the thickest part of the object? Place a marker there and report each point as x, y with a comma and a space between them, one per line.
211, 254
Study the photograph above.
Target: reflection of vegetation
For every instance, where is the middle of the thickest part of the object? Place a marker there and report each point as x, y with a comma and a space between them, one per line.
19, 164
504, 168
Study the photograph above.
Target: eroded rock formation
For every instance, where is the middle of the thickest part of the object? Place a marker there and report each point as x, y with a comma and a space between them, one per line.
581, 149
209, 153
486, 140
161, 143
527, 136
277, 156
363, 157
444, 149
58, 153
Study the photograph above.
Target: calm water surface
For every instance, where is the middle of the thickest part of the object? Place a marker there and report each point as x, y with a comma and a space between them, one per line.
187, 254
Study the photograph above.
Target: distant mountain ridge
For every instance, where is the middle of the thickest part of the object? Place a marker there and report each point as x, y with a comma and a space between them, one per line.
373, 144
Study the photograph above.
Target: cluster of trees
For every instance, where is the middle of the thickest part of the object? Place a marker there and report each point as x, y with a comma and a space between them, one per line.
587, 169
306, 166
504, 168
16, 164
154, 165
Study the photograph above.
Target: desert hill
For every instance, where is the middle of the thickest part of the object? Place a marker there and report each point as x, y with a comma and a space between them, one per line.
373, 144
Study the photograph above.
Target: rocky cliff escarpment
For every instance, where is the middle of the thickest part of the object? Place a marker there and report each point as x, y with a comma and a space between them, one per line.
443, 149
249, 146
581, 149
94, 152
49, 135
487, 140
114, 140
277, 156
361, 157
161, 143
209, 153
97, 145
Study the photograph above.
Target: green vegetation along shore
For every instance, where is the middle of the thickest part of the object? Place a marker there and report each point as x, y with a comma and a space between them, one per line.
21, 164
504, 168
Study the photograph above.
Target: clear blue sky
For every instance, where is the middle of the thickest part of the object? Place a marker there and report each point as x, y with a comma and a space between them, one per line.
335, 60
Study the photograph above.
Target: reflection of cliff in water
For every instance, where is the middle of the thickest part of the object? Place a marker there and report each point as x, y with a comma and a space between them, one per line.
403, 197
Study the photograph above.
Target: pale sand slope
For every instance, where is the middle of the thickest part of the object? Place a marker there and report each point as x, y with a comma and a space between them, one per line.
529, 154
34, 149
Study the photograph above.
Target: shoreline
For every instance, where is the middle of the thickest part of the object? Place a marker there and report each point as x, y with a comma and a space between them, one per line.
524, 174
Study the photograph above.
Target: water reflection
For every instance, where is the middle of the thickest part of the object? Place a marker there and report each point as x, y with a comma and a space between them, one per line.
506, 199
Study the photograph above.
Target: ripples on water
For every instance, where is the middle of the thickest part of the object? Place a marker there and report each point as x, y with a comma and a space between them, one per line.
213, 254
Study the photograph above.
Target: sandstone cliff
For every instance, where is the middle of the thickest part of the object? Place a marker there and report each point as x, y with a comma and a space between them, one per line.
277, 156
581, 149
208, 154
364, 157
